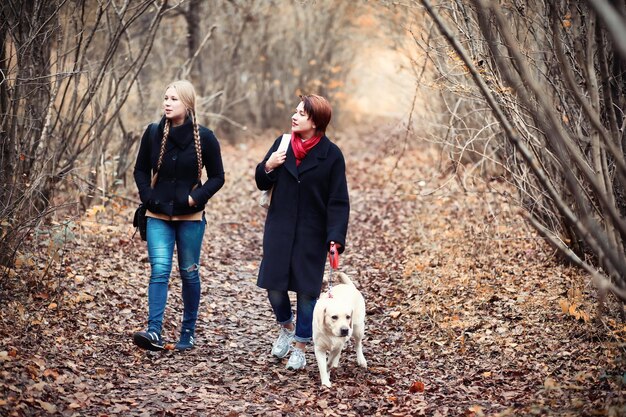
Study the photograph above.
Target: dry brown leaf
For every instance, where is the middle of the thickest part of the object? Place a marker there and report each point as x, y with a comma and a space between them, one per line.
417, 386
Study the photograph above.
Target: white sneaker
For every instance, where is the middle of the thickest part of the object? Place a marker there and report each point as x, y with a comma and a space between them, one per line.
296, 360
281, 346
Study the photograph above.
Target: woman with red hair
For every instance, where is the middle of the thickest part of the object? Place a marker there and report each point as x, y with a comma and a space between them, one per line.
309, 209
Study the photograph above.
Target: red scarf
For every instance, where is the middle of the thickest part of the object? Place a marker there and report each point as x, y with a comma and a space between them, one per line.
300, 149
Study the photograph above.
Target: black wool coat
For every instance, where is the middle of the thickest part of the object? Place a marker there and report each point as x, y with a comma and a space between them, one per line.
310, 208
179, 170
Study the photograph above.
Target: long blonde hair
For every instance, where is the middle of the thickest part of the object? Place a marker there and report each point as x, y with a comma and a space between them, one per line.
187, 95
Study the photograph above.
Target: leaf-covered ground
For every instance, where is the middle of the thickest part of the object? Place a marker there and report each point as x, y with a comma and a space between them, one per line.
467, 312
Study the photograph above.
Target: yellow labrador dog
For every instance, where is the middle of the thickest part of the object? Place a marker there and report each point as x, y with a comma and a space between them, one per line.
337, 316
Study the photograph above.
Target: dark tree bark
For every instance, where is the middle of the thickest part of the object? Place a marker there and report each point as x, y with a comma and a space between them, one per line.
192, 16
6, 143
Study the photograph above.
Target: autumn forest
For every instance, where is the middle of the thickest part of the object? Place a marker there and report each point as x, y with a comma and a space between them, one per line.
484, 145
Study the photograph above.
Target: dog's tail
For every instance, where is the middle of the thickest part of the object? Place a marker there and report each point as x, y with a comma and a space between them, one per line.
344, 279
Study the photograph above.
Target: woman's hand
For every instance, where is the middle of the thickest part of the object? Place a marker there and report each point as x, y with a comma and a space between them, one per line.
333, 254
275, 160
192, 202
337, 245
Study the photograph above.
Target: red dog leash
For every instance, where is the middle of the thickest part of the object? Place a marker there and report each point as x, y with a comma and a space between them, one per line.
333, 258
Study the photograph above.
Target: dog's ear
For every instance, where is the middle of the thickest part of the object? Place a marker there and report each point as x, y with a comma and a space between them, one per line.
351, 314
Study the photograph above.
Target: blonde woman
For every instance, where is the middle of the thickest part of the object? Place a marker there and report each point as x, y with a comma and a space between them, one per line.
168, 175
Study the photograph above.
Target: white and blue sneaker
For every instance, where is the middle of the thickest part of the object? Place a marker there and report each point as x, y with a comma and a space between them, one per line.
281, 346
296, 360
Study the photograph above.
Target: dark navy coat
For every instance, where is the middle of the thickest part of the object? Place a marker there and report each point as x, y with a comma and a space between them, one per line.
309, 209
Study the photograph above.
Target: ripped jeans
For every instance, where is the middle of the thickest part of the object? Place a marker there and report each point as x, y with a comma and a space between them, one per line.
161, 237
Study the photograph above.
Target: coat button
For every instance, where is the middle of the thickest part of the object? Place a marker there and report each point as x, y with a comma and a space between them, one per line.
174, 157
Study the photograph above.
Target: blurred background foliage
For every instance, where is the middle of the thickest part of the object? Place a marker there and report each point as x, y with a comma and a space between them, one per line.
82, 78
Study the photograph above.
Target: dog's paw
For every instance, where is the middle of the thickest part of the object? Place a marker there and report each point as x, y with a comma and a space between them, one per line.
362, 362
326, 384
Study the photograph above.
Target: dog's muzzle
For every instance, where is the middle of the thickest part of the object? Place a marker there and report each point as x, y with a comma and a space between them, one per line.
345, 331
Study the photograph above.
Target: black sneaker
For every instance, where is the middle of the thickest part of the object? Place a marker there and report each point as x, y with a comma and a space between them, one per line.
186, 340
148, 340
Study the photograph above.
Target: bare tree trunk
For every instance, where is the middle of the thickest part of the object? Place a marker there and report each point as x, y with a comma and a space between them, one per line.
192, 16
6, 139
30, 27
58, 108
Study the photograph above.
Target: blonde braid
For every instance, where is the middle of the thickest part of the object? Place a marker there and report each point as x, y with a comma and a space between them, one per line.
196, 138
166, 131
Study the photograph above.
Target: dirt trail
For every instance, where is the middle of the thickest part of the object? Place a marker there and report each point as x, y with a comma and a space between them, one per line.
462, 301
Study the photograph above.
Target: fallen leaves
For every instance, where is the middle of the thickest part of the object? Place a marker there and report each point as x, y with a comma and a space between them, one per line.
462, 315
574, 310
47, 407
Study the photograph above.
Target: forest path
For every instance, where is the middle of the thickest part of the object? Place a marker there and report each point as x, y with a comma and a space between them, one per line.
462, 302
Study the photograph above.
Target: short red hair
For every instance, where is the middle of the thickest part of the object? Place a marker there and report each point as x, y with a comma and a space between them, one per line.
319, 111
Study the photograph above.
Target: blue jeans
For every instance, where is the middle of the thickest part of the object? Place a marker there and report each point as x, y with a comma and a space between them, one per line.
161, 237
304, 311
